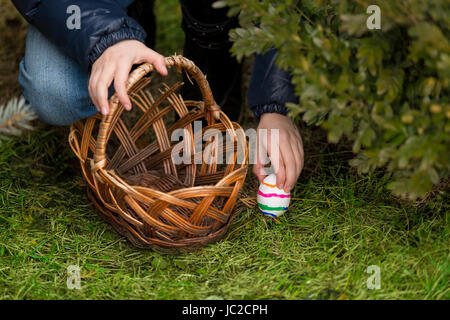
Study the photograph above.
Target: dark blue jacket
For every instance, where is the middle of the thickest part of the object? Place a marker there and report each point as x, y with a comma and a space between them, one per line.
104, 23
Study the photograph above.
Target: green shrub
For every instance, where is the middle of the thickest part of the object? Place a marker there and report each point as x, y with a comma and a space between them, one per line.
386, 90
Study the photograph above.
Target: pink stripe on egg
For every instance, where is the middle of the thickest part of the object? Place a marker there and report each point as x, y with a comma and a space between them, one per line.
269, 195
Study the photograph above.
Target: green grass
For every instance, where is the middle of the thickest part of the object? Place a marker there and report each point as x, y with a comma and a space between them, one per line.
338, 224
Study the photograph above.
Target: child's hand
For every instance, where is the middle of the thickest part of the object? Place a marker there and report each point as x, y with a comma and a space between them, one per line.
289, 162
115, 64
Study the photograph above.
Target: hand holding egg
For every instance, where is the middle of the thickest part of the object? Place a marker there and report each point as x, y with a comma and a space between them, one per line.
272, 201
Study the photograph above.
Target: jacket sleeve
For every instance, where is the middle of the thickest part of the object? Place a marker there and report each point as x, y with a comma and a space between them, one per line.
103, 24
270, 87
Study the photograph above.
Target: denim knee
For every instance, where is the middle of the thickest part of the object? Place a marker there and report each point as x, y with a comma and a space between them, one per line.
55, 100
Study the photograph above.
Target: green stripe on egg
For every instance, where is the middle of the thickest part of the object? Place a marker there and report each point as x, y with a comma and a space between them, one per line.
265, 207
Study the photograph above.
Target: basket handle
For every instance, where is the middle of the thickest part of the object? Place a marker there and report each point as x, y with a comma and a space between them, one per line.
211, 107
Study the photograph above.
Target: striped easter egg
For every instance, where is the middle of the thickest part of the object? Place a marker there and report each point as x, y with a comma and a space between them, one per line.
271, 200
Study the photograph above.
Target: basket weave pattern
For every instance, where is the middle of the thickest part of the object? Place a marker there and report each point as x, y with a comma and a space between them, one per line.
138, 188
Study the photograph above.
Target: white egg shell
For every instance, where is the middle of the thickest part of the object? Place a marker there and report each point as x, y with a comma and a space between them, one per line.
271, 200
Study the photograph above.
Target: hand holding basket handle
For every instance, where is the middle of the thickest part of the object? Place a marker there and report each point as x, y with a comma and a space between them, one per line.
179, 62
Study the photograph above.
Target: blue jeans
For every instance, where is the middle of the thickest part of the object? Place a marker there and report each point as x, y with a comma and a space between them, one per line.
53, 83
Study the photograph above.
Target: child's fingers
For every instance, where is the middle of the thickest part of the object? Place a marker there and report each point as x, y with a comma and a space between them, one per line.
258, 170
120, 80
287, 154
280, 172
157, 60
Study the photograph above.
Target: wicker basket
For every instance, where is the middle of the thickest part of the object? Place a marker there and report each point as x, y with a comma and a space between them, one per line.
135, 183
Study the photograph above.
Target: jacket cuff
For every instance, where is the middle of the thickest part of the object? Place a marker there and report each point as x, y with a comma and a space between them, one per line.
273, 107
124, 33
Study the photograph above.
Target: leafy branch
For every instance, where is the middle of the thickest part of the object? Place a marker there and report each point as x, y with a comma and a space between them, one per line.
385, 90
